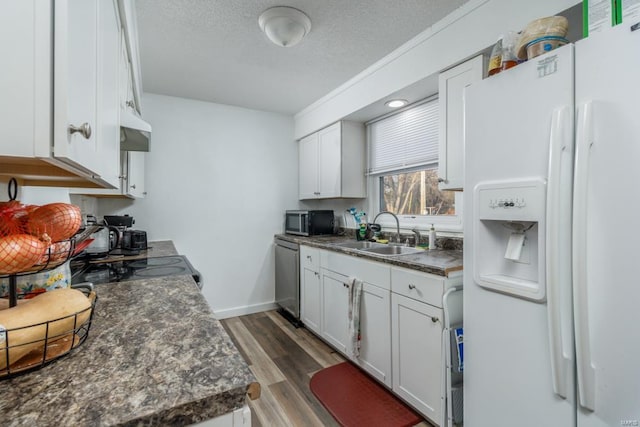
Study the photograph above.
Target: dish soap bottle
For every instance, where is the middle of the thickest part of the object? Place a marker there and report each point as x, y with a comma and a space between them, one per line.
432, 238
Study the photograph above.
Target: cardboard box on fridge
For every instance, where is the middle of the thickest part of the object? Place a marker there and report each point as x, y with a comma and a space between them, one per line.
598, 15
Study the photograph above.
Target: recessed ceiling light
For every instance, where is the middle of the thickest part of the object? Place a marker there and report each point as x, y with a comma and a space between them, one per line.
396, 103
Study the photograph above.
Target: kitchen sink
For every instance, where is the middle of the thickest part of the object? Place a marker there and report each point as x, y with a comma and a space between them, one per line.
389, 250
361, 245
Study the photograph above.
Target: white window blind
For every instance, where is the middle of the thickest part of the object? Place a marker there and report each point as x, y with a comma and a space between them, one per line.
405, 140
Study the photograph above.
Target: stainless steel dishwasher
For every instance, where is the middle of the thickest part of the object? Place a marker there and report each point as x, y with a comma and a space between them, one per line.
288, 279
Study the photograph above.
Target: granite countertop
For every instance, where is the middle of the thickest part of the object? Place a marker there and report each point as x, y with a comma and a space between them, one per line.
155, 355
442, 262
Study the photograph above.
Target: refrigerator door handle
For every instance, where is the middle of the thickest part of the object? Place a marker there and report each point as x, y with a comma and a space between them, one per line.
585, 368
558, 251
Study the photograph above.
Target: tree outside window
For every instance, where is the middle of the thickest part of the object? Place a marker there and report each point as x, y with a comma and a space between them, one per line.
415, 193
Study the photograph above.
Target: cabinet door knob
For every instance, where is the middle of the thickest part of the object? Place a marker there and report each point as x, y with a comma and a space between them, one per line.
412, 286
309, 257
316, 273
84, 129
434, 319
442, 180
346, 285
131, 104
133, 186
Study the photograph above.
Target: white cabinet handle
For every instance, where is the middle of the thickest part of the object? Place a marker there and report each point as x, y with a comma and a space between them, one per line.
84, 129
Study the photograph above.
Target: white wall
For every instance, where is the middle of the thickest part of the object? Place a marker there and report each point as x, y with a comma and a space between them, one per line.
218, 180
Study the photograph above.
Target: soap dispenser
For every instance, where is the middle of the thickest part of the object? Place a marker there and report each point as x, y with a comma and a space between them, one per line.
432, 238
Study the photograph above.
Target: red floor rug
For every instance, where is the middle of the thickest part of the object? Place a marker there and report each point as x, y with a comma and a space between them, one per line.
356, 400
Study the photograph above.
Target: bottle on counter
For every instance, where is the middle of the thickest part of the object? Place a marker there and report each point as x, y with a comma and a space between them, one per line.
495, 60
432, 238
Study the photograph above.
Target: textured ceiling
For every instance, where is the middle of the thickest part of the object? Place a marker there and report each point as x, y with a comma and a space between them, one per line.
213, 50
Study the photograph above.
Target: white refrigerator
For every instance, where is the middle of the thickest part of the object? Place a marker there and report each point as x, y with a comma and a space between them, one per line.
552, 203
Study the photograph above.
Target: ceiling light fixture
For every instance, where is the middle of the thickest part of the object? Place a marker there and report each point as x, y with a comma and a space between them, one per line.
285, 26
396, 103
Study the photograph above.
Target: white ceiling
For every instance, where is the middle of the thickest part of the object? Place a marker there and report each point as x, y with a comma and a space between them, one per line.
213, 50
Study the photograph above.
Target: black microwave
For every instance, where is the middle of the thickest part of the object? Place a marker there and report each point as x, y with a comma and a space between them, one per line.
308, 223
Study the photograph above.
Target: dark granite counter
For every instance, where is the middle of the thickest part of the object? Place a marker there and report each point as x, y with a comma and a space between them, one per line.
439, 261
155, 355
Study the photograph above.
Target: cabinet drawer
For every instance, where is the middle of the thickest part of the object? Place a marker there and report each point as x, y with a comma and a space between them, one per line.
309, 258
375, 273
419, 286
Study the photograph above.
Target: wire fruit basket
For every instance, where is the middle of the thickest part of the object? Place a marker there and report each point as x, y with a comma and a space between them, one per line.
30, 347
40, 325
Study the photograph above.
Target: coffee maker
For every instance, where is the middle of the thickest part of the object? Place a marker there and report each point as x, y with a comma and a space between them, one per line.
129, 242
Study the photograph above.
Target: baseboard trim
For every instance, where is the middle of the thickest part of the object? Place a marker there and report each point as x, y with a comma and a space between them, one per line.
243, 311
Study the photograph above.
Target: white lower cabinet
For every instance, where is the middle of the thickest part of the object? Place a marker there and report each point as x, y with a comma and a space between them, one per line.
401, 321
375, 311
417, 354
375, 331
335, 310
310, 297
310, 289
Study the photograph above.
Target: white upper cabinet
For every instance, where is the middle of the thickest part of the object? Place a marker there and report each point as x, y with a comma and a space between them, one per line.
108, 92
75, 83
62, 76
451, 138
127, 98
308, 167
116, 96
329, 162
131, 179
134, 181
332, 162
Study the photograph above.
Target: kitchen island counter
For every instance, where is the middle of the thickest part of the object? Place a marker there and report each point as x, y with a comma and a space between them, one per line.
155, 355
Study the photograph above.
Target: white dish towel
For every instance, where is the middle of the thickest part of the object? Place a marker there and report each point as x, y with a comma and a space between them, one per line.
355, 296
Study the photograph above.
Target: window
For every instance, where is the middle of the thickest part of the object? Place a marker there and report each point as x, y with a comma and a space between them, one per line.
415, 193
403, 169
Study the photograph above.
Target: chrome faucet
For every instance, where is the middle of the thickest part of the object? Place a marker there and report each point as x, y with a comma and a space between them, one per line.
417, 233
397, 223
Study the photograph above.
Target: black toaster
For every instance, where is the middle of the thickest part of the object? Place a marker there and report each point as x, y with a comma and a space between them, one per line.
134, 240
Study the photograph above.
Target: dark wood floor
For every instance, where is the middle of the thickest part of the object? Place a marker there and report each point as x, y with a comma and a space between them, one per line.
283, 359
